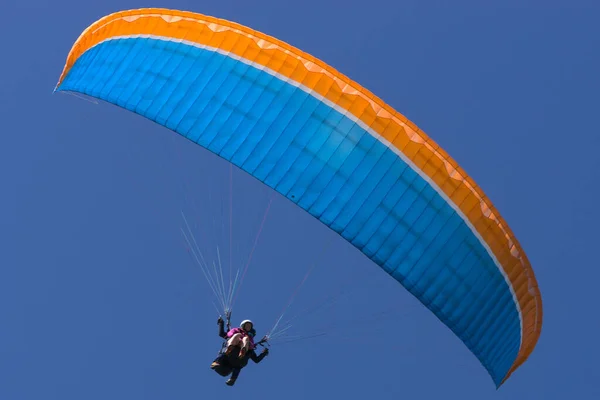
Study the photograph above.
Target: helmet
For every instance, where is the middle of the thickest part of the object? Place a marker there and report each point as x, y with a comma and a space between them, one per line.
246, 321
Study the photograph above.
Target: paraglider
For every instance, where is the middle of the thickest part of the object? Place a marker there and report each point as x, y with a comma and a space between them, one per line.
334, 149
238, 349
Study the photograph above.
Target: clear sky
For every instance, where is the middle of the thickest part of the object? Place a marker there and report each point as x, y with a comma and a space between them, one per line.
100, 299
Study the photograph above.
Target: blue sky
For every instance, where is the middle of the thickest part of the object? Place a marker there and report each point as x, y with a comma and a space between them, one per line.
100, 297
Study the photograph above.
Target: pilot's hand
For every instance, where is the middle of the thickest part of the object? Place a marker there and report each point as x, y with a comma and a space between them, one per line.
220, 321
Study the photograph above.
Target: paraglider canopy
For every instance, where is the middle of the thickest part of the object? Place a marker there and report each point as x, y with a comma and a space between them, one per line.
335, 150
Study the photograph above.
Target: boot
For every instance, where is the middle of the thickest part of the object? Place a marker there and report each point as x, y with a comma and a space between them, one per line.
230, 382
